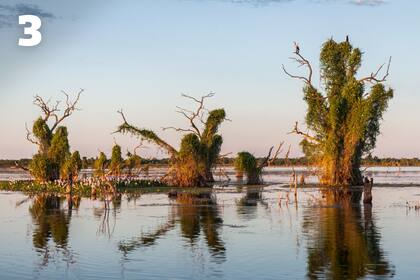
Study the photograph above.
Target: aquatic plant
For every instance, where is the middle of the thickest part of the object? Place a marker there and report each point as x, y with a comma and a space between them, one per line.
191, 165
345, 118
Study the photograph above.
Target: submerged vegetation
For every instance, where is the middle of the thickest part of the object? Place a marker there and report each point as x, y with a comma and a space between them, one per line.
191, 165
345, 119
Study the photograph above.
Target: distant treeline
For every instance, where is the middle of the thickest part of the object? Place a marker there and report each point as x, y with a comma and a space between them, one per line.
301, 161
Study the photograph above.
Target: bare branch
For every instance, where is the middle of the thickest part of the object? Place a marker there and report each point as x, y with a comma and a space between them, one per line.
178, 129
18, 165
373, 78
302, 62
299, 132
70, 108
276, 154
193, 116
52, 111
122, 115
29, 136
265, 161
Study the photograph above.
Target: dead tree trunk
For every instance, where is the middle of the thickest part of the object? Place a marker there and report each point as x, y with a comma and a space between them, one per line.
367, 191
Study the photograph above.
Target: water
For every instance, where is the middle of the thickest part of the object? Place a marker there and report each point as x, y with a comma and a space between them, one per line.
272, 175
242, 235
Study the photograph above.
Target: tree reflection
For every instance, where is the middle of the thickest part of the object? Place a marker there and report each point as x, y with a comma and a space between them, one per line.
197, 215
51, 222
344, 243
247, 204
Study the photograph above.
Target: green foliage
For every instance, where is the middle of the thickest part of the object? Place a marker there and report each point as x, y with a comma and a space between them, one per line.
147, 135
43, 134
40, 168
53, 153
133, 161
60, 148
100, 164
192, 165
214, 120
72, 166
345, 119
247, 163
117, 162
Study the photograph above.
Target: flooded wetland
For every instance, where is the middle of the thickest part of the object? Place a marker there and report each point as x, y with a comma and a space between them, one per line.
217, 236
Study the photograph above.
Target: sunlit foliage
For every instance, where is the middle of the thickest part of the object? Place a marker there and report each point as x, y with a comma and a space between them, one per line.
100, 165
246, 162
117, 163
345, 118
191, 165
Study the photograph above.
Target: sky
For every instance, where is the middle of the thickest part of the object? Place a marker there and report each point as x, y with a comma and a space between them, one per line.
140, 56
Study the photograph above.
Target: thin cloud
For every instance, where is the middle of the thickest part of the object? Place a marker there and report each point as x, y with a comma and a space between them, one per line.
9, 13
372, 3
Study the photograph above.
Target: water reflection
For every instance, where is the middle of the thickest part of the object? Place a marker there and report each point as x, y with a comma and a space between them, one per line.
196, 215
111, 205
246, 206
344, 243
51, 225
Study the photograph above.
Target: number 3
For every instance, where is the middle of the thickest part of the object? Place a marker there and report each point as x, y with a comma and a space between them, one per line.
32, 30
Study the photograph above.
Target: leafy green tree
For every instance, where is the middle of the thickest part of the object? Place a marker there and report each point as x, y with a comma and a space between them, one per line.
51, 139
246, 162
59, 151
344, 119
117, 162
85, 163
191, 165
72, 166
100, 164
40, 168
133, 161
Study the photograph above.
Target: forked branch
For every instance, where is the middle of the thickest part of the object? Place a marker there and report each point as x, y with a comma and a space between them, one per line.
296, 130
51, 111
373, 78
29, 136
302, 61
265, 161
276, 154
193, 116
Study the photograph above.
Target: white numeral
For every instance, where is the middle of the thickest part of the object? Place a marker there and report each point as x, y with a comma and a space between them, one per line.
32, 30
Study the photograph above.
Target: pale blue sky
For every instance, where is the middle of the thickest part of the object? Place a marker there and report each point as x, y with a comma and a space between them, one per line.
141, 55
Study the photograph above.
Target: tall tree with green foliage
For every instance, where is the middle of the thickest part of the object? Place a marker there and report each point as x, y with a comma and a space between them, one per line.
191, 165
71, 166
344, 118
132, 161
51, 139
117, 162
100, 165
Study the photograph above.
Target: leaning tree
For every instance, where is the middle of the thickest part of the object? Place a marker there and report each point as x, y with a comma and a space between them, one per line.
191, 165
53, 157
343, 119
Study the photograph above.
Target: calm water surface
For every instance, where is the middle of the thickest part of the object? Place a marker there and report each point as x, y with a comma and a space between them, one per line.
243, 235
